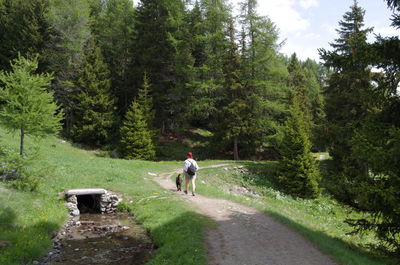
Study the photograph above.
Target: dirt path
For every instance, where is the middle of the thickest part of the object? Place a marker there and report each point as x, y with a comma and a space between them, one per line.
245, 236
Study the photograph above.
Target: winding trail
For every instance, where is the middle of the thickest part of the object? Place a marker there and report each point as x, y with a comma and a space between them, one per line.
246, 236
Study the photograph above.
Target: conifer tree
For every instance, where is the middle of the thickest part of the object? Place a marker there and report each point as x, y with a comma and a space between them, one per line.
376, 143
162, 51
345, 94
65, 50
94, 113
209, 26
113, 28
262, 75
234, 119
145, 101
136, 137
24, 30
298, 173
26, 104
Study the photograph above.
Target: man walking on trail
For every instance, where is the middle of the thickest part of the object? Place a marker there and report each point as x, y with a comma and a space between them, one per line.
189, 170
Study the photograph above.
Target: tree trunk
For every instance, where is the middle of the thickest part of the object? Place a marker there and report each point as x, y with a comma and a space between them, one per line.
235, 149
21, 147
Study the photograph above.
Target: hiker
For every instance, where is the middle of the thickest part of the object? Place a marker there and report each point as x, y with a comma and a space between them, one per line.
189, 170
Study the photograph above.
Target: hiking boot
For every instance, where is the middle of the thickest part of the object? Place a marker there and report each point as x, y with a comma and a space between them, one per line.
185, 191
193, 194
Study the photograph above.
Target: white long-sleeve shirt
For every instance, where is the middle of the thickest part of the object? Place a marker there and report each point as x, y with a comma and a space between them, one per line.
187, 163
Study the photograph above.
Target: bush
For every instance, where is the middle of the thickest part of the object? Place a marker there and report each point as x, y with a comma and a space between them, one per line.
15, 171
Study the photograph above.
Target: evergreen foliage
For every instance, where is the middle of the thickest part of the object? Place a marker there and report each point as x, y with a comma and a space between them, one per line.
264, 73
113, 28
23, 29
298, 174
346, 97
69, 20
94, 109
136, 137
162, 51
234, 118
208, 25
376, 144
27, 106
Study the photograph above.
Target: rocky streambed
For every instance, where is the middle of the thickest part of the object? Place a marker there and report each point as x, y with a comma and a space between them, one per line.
100, 239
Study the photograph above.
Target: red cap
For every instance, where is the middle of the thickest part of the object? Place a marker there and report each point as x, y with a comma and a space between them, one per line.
189, 155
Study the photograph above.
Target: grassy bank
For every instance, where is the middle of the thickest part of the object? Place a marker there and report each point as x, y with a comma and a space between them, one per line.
27, 219
320, 220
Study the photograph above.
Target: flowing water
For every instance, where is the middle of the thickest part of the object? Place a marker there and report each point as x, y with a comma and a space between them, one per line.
101, 239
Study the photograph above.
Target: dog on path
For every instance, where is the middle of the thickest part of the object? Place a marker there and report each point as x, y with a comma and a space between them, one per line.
179, 182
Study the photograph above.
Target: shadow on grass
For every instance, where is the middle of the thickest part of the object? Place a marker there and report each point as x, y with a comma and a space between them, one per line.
176, 148
181, 241
341, 251
23, 243
263, 175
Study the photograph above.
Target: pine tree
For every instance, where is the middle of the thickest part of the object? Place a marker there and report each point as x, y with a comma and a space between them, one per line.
65, 50
298, 173
376, 143
24, 30
136, 138
94, 114
262, 75
234, 119
113, 28
297, 82
208, 26
26, 104
345, 94
161, 51
145, 101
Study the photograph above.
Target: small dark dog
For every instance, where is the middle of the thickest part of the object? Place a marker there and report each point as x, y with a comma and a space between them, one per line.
178, 182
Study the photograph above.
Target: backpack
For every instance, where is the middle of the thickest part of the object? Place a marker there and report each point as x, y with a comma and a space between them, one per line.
191, 170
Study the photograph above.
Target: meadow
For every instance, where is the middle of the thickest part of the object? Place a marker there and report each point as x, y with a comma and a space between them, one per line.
28, 219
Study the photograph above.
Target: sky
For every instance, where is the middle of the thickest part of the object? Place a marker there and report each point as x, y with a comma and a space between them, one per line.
306, 25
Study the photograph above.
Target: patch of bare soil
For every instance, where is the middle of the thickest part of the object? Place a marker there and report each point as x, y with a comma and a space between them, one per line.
246, 236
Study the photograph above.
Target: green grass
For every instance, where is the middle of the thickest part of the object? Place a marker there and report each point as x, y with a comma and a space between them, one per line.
320, 220
28, 219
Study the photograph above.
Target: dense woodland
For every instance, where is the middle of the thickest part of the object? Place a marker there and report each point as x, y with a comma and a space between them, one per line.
124, 77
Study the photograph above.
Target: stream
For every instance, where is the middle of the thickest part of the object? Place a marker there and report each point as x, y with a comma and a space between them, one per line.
101, 239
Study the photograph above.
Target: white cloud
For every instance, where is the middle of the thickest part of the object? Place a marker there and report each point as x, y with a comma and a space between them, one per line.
284, 15
306, 4
302, 52
331, 29
386, 31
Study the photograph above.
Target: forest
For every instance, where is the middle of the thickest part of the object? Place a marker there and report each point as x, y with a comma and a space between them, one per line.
125, 78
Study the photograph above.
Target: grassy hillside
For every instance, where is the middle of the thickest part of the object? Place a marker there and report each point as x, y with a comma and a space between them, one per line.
28, 219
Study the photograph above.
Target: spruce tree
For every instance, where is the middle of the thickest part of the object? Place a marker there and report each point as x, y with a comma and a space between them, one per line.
69, 19
298, 173
136, 137
24, 30
145, 101
161, 50
94, 113
345, 94
208, 26
376, 143
26, 106
234, 118
113, 28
